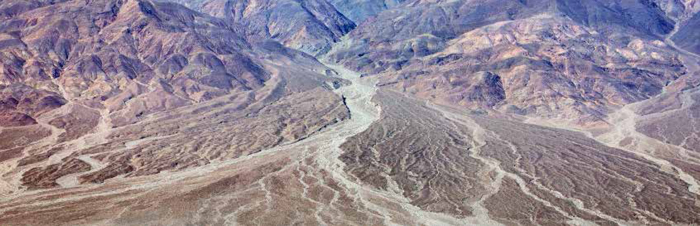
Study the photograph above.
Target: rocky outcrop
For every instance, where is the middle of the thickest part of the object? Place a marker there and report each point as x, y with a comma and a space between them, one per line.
20, 104
42, 178
678, 10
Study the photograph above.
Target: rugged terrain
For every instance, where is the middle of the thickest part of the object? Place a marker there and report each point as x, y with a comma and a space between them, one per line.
349, 112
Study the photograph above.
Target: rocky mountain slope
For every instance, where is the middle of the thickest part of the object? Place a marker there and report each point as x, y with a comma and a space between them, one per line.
687, 37
349, 112
99, 72
309, 25
563, 59
361, 10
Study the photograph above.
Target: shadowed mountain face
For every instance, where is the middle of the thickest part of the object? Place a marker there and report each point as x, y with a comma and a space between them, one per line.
360, 10
349, 112
687, 36
308, 25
